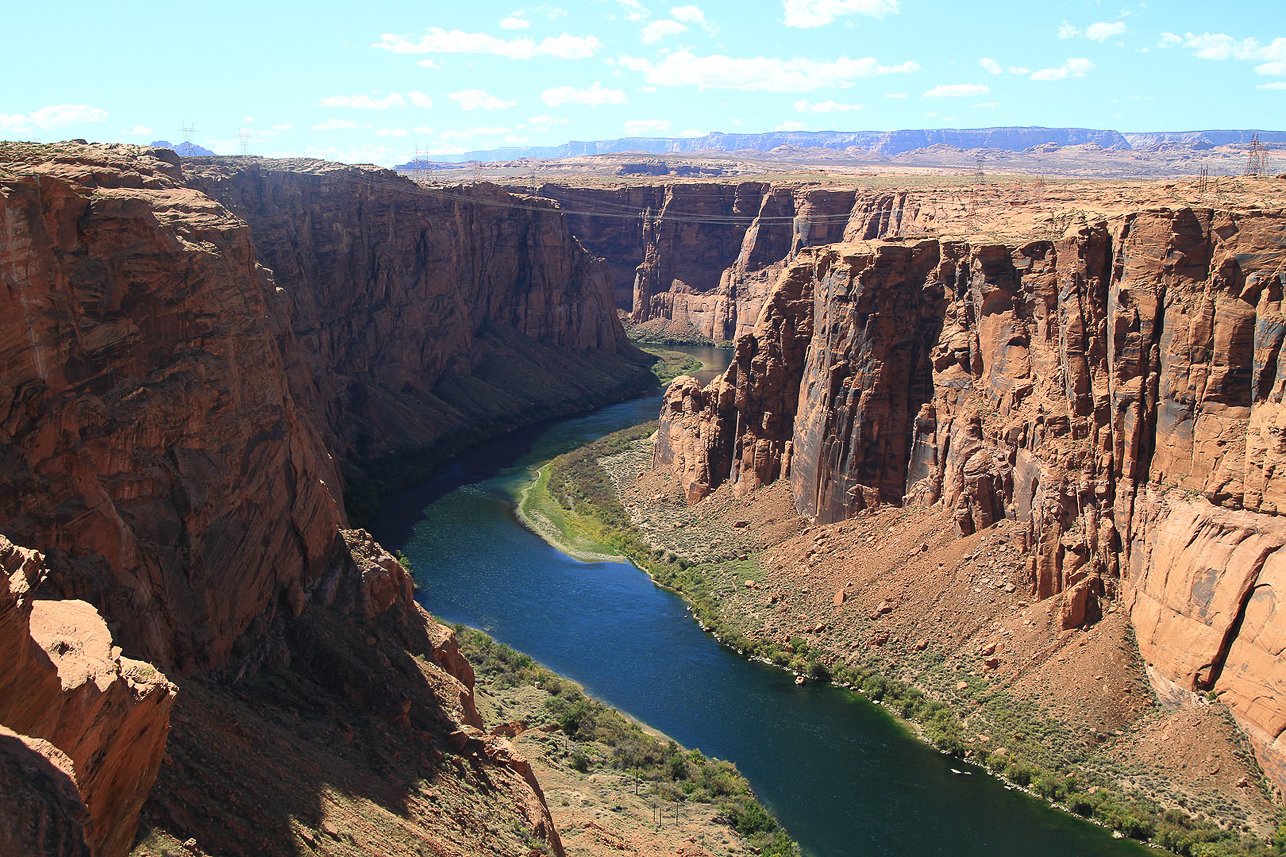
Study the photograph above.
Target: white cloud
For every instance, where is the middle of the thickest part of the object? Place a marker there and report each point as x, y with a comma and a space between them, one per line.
392, 132
689, 14
1103, 31
1019, 69
791, 126
1067, 31
569, 47
804, 106
988, 104
1170, 40
139, 131
419, 99
285, 127
363, 102
637, 127
771, 74
895, 95
1276, 68
52, 117
991, 65
334, 125
636, 10
693, 15
1276, 84
479, 99
1072, 67
658, 30
514, 22
957, 90
594, 96
439, 41
1221, 46
470, 133
428, 63
819, 13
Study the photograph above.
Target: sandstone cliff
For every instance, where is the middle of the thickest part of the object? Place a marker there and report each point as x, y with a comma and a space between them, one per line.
66, 693
705, 255
1116, 391
178, 421
176, 411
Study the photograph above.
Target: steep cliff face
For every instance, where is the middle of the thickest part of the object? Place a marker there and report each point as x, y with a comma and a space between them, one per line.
425, 319
706, 254
1069, 385
67, 693
152, 449
174, 414
176, 410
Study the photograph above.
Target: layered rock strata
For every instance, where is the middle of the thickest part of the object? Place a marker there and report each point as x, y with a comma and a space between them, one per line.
192, 364
1116, 391
706, 254
99, 719
177, 412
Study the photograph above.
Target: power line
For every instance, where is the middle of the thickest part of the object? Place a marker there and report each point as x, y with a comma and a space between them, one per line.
1257, 164
244, 136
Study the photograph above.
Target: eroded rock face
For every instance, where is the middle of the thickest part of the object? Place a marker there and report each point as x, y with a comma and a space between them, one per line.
425, 318
152, 449
177, 411
1066, 384
707, 255
65, 683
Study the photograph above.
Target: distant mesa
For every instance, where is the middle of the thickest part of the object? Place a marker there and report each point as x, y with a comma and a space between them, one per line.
185, 149
884, 143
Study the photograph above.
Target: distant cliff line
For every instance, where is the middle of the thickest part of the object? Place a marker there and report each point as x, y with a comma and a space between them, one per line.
1013, 139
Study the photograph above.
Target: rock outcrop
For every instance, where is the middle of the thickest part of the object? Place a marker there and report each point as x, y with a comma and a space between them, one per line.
196, 360
65, 686
1118, 391
181, 420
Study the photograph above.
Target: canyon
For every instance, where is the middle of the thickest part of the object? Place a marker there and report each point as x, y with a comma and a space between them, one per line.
214, 367
1114, 391
198, 361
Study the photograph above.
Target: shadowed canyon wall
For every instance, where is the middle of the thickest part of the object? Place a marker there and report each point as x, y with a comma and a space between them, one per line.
177, 410
193, 361
706, 254
1120, 391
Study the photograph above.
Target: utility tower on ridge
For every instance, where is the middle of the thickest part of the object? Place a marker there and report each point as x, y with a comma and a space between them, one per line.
1257, 164
188, 130
244, 136
980, 175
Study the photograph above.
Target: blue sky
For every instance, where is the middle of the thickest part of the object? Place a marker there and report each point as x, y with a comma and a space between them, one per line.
377, 80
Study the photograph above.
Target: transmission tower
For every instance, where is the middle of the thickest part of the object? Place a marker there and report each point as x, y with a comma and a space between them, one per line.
1257, 164
188, 130
244, 136
979, 174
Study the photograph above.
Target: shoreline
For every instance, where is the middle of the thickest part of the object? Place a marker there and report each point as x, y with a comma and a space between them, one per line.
539, 524
1125, 812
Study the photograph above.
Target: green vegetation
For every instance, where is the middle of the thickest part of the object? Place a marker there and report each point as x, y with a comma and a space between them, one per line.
670, 364
604, 738
1045, 760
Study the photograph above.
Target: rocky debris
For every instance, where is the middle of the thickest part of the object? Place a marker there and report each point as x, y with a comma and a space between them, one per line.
66, 684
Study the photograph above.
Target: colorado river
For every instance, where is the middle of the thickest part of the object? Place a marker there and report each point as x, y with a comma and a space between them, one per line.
840, 774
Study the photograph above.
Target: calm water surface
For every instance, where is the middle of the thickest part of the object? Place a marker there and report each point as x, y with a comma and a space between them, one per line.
839, 773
